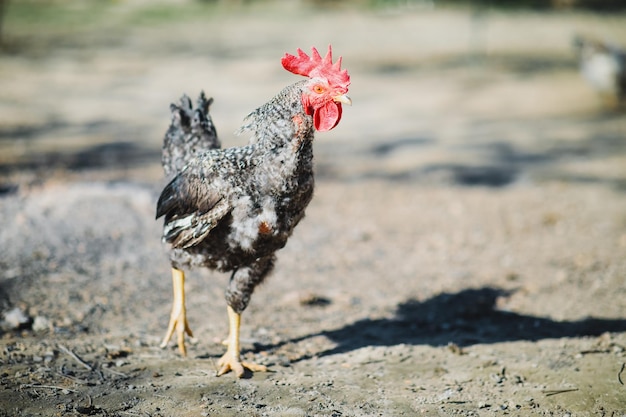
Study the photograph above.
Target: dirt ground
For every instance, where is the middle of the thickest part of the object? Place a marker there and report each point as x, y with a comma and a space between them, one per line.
465, 252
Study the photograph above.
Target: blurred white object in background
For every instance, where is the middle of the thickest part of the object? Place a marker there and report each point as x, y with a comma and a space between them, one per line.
603, 65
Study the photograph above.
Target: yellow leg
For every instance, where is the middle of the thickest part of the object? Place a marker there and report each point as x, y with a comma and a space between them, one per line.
178, 318
231, 360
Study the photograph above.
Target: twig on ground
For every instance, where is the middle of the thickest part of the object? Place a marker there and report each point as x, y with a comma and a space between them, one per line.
202, 373
551, 392
76, 357
589, 351
61, 373
118, 373
130, 413
46, 386
619, 374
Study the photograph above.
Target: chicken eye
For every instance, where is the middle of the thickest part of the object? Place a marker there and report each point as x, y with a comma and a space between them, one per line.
318, 89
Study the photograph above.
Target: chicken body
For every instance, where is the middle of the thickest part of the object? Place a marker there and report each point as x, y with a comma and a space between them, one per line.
231, 209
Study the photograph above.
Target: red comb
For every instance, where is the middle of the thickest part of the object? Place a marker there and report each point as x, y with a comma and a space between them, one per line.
316, 66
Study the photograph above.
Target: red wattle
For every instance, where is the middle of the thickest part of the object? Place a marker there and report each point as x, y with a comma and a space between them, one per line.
327, 116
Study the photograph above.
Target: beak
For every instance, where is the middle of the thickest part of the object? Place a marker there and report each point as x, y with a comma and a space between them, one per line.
343, 99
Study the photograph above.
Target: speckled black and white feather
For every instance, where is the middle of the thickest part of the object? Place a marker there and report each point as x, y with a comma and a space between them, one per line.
191, 132
232, 209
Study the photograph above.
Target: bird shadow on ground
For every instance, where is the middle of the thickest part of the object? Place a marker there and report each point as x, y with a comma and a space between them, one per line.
465, 318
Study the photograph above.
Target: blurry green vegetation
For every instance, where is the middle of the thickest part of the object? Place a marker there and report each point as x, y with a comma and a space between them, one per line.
591, 5
87, 13
81, 13
50, 13
159, 13
23, 18
35, 24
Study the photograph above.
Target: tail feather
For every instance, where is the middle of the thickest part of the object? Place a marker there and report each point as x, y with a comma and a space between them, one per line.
190, 133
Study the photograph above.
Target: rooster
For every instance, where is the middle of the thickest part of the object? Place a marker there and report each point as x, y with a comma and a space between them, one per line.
231, 209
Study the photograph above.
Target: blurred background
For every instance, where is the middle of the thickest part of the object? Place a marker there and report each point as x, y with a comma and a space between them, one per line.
486, 140
470, 92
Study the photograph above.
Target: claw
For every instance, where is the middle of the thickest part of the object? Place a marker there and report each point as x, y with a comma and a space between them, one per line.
228, 363
231, 361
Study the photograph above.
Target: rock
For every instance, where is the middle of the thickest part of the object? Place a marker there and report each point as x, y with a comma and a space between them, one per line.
41, 323
16, 319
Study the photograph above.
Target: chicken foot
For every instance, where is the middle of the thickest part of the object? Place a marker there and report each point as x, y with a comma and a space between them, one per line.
231, 360
178, 317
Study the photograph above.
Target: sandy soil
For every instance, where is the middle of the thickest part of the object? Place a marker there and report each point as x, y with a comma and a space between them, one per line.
465, 252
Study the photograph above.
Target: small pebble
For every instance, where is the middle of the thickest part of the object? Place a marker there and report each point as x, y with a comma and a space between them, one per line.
120, 362
40, 324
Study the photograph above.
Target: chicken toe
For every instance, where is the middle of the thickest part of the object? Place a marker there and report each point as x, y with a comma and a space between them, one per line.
231, 360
